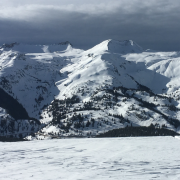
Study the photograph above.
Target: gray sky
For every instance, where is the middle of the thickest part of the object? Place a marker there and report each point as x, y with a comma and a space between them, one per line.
153, 24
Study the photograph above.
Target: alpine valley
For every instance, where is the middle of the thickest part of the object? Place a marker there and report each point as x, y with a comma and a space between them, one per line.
50, 91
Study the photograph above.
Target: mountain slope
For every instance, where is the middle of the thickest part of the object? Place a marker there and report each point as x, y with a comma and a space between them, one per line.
111, 85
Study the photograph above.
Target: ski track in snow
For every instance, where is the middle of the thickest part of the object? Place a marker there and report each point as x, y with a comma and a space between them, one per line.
87, 159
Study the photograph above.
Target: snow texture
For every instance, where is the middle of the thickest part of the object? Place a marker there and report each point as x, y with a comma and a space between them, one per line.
87, 159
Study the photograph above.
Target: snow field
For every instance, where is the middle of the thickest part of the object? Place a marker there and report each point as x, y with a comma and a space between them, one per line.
87, 159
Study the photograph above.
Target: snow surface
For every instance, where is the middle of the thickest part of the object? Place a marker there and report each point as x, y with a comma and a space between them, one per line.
87, 159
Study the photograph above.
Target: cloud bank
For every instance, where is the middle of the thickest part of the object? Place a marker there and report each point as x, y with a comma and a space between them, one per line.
152, 24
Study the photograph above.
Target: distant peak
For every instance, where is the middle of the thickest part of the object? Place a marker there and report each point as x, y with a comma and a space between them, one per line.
115, 46
31, 48
127, 42
124, 43
125, 46
10, 45
65, 43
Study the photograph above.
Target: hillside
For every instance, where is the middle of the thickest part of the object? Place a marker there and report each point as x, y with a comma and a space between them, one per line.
76, 92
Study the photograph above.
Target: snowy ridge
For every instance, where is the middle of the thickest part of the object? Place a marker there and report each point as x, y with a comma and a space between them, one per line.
26, 48
165, 63
76, 92
124, 47
114, 46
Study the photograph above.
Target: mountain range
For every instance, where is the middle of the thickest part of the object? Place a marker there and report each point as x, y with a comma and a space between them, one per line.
57, 90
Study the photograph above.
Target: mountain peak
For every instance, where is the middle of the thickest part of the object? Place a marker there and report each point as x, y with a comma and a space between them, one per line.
123, 47
11, 45
65, 43
115, 46
30, 48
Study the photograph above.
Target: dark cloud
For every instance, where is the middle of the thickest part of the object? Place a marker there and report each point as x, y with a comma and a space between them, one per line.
151, 24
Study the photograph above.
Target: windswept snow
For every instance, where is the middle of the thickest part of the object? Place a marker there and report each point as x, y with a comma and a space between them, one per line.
87, 159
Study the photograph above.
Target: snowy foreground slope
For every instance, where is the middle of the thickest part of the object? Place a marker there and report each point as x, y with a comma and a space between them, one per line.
87, 159
76, 92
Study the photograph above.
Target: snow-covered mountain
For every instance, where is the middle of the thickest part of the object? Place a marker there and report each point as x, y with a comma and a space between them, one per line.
72, 91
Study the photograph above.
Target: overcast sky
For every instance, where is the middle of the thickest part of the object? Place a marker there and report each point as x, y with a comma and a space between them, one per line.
153, 24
